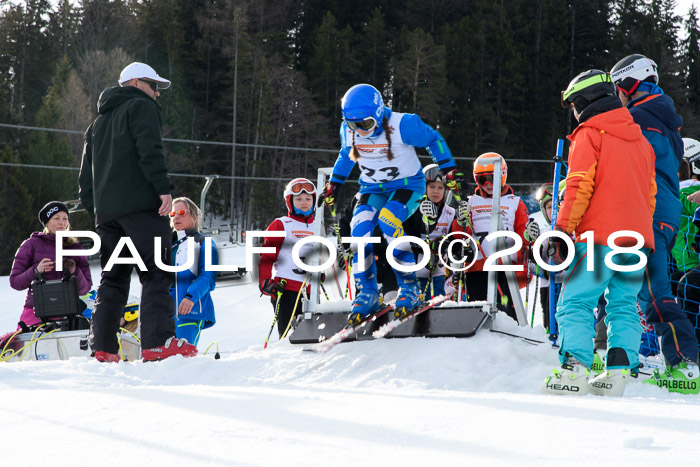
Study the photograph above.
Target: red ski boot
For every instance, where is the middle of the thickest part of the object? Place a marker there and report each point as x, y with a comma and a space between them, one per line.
102, 356
173, 346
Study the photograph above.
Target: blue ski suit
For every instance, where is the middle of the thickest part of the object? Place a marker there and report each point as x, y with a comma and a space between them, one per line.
391, 187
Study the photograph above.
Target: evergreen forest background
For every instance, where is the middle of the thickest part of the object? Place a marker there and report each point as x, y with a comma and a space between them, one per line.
269, 75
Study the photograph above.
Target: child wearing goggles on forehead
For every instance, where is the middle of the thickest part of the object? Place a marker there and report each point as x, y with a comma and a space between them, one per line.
514, 216
192, 287
382, 143
287, 281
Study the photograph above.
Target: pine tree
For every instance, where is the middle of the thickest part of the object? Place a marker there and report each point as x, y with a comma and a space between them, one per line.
17, 216
691, 68
420, 82
333, 65
375, 59
48, 148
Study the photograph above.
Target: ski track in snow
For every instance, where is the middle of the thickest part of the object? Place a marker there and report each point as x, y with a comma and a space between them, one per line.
392, 401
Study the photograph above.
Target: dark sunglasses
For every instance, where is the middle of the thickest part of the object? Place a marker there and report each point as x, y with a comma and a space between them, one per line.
179, 212
484, 179
152, 84
301, 187
367, 124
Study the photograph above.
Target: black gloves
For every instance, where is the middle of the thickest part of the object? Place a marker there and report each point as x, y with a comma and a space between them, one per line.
272, 288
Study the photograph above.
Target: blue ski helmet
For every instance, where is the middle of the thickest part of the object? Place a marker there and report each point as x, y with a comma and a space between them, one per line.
362, 101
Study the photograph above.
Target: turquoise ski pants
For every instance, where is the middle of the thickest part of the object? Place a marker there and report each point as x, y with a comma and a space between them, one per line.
579, 297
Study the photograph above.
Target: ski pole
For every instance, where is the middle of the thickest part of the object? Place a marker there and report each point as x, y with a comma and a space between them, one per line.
459, 286
558, 159
283, 282
324, 291
336, 227
534, 298
296, 302
528, 278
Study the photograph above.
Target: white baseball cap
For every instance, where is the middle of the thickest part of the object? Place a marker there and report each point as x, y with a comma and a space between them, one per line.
141, 70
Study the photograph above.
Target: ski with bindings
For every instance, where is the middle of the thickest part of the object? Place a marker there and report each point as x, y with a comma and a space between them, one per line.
350, 330
420, 308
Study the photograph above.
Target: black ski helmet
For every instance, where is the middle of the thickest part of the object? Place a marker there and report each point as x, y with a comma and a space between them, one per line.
587, 87
632, 70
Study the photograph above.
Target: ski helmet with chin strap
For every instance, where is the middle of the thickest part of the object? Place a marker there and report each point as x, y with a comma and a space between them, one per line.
295, 187
691, 153
629, 72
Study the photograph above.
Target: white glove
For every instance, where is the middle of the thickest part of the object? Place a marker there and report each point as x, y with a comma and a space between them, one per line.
532, 230
463, 212
428, 209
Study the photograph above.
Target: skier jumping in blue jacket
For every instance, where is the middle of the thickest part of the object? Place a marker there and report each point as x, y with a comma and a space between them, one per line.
382, 143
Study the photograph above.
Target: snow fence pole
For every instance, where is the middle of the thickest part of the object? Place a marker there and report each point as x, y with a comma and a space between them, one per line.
558, 160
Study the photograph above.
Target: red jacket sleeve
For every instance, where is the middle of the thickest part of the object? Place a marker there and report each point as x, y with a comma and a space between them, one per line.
268, 259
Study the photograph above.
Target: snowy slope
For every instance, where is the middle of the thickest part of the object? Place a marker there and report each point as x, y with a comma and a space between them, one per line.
392, 402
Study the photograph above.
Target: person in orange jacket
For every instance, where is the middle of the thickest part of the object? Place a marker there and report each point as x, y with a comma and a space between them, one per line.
610, 187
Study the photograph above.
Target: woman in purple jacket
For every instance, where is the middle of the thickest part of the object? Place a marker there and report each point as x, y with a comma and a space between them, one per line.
37, 254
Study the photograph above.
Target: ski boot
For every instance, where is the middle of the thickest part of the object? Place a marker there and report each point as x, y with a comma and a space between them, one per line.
612, 381
571, 379
367, 298
609, 383
683, 378
408, 298
598, 366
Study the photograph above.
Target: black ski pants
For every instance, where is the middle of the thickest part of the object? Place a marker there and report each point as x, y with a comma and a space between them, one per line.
156, 310
286, 310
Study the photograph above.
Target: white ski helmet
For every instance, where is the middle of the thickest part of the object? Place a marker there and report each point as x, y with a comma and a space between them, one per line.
691, 153
295, 187
629, 72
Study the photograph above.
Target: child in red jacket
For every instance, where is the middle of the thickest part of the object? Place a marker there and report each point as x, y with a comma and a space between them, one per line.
287, 280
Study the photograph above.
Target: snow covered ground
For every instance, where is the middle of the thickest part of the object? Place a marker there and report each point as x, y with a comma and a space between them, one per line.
391, 402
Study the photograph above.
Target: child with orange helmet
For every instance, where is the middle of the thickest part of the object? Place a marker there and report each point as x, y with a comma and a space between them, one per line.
514, 216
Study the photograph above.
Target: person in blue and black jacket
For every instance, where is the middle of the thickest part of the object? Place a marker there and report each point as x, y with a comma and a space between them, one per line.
637, 78
192, 287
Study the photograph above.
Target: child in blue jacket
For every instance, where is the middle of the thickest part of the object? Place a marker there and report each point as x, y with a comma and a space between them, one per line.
192, 287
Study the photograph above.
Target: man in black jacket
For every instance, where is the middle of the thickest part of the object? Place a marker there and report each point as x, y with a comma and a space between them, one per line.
124, 186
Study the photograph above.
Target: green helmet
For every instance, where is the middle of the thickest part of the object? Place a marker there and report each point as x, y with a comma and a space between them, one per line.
587, 87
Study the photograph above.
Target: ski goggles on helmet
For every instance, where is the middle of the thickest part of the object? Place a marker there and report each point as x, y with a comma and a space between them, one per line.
484, 179
366, 124
435, 175
545, 191
300, 187
179, 212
